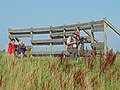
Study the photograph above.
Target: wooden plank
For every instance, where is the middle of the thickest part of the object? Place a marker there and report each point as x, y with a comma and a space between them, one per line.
71, 29
61, 34
19, 31
41, 31
57, 37
19, 36
97, 29
56, 28
47, 42
91, 23
40, 42
79, 25
28, 29
98, 26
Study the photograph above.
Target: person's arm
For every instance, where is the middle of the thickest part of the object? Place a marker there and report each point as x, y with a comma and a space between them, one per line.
70, 43
15, 45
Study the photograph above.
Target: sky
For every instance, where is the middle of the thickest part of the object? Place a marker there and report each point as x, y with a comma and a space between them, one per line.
43, 13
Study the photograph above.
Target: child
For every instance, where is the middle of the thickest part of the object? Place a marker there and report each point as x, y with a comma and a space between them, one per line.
11, 47
21, 49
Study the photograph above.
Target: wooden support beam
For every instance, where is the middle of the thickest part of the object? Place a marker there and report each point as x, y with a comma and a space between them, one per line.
64, 43
51, 45
111, 26
88, 33
105, 37
92, 34
31, 33
78, 30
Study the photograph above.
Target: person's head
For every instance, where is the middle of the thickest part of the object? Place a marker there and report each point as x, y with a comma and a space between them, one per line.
21, 42
75, 34
13, 40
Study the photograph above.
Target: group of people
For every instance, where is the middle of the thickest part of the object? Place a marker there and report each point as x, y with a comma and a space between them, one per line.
72, 46
18, 49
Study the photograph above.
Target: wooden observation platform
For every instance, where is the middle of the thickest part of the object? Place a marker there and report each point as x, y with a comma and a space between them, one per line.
58, 35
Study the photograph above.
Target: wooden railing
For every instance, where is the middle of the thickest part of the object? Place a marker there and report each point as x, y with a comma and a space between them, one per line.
58, 35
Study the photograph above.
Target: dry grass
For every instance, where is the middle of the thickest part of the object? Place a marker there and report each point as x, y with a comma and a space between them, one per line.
89, 73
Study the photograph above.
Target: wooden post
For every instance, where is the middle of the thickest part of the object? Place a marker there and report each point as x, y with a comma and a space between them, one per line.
51, 51
31, 35
65, 46
105, 36
92, 35
78, 30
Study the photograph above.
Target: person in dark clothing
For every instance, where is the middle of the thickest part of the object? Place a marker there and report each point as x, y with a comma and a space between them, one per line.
21, 49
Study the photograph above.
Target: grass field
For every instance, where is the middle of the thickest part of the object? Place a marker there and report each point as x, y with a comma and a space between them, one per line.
89, 73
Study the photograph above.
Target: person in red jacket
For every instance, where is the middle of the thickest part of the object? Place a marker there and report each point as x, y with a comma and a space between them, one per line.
11, 47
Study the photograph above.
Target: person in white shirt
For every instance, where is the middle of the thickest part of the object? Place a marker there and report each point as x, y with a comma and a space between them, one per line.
72, 46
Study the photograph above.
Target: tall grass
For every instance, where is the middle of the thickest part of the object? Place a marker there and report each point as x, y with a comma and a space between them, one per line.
88, 73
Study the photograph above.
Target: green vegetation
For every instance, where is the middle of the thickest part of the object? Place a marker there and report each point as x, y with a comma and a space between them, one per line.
89, 73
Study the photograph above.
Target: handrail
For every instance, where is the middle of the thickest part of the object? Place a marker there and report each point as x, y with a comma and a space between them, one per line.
112, 27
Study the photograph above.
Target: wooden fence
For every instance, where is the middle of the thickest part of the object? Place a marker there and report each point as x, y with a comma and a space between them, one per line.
59, 34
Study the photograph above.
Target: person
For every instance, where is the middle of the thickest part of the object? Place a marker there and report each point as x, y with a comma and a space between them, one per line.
72, 46
21, 49
11, 47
